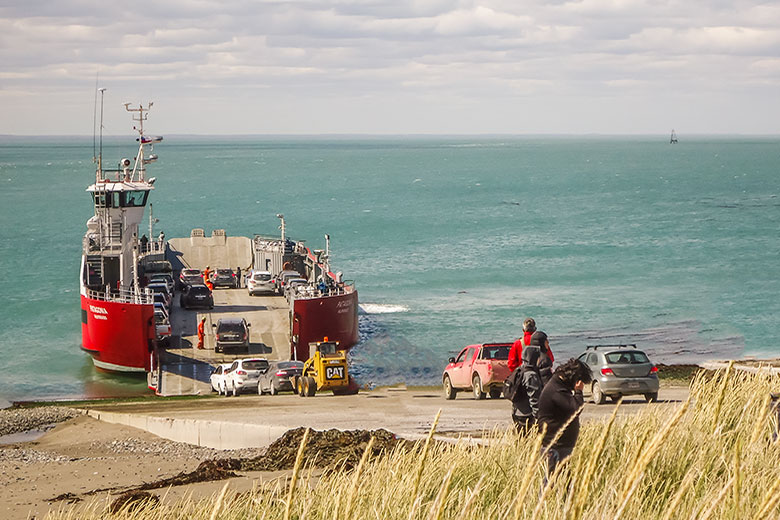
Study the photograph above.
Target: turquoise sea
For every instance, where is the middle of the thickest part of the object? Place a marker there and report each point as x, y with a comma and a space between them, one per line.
450, 240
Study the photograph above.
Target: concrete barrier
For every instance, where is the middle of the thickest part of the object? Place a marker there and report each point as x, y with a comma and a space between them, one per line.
219, 435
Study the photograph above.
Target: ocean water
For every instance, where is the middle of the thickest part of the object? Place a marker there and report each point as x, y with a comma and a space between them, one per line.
450, 240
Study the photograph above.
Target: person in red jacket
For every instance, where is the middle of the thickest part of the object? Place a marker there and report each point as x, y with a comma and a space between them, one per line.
516, 352
201, 332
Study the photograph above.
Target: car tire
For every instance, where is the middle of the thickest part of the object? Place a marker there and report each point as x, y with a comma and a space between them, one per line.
495, 392
301, 386
651, 397
597, 395
476, 386
272, 389
449, 391
295, 384
311, 387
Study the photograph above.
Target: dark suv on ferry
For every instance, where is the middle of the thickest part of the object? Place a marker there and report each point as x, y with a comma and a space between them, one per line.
231, 333
197, 295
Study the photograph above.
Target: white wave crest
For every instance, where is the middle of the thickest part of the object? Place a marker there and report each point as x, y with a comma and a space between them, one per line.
382, 308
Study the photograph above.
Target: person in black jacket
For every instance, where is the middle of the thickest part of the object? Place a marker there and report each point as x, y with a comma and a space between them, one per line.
561, 400
535, 372
525, 406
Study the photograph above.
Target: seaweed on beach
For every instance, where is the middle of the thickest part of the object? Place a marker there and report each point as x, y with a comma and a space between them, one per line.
329, 449
208, 470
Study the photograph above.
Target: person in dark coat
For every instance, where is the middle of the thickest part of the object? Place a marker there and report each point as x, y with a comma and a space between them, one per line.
525, 409
561, 399
544, 363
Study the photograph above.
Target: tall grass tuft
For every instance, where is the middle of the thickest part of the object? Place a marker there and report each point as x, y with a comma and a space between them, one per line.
711, 457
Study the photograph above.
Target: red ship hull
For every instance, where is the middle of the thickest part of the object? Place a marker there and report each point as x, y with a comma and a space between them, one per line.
118, 336
333, 316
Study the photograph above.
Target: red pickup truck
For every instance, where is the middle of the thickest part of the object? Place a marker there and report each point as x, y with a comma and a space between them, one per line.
479, 368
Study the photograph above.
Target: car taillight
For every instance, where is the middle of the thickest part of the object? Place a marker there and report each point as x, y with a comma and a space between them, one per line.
654, 370
607, 372
245, 335
217, 336
241, 372
234, 274
281, 373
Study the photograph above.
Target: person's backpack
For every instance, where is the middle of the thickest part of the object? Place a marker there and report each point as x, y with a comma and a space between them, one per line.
513, 388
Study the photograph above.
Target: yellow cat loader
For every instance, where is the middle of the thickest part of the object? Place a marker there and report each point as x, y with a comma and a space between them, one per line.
326, 369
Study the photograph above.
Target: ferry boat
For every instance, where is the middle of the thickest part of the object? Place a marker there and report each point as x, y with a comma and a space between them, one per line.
117, 311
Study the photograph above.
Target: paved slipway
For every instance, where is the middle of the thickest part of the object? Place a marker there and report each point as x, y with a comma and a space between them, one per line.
255, 421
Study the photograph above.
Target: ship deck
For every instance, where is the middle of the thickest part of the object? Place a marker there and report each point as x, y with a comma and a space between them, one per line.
186, 369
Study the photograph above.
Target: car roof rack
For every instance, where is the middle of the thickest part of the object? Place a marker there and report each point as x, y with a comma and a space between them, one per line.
614, 345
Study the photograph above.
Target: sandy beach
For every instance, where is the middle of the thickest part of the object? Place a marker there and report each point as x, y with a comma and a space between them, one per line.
83, 461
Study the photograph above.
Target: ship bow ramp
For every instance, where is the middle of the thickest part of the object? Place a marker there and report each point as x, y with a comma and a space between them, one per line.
198, 251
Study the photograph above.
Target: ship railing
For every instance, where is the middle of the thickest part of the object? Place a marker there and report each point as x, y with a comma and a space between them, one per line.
152, 247
310, 291
92, 245
123, 295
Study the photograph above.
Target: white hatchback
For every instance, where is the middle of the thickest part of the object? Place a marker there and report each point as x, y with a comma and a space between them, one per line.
244, 374
260, 282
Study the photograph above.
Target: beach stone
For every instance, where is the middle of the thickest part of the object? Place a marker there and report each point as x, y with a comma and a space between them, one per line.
17, 420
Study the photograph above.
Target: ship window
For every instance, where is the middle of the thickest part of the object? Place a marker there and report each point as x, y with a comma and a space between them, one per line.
115, 196
135, 199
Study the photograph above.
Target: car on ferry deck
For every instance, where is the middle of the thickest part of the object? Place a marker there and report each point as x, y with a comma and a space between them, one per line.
244, 374
281, 278
231, 333
259, 282
217, 378
196, 295
163, 327
292, 284
162, 300
161, 288
224, 278
190, 277
278, 377
165, 278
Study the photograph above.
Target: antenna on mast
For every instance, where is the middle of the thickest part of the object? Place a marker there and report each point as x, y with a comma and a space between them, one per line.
94, 123
140, 118
99, 171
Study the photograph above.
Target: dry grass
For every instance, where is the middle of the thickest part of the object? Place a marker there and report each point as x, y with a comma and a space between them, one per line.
711, 457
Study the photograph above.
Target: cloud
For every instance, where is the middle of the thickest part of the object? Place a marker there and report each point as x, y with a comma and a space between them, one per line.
464, 53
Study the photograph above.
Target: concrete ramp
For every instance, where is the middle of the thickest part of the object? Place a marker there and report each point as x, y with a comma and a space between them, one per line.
198, 251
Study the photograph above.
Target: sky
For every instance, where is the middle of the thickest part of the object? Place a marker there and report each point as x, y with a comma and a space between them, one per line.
393, 66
